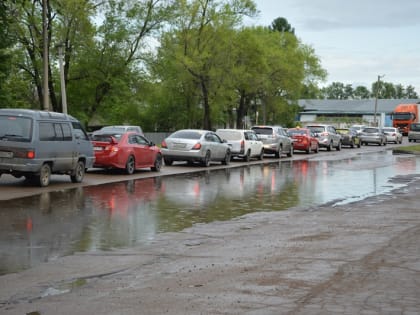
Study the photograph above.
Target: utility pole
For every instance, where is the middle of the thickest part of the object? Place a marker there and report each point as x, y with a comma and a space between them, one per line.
46, 94
62, 80
376, 99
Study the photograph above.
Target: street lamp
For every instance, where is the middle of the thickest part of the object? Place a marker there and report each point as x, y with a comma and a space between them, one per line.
376, 98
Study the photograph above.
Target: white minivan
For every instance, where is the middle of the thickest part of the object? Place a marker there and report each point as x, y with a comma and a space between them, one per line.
36, 144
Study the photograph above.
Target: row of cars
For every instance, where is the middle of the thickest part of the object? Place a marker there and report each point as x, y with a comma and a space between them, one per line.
120, 147
35, 144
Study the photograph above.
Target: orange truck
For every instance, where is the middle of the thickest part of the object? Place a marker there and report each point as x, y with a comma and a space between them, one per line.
404, 115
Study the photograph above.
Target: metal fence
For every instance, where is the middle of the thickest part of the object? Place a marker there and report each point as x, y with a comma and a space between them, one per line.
156, 137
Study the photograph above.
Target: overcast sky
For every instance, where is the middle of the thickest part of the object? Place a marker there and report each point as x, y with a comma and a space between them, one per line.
356, 40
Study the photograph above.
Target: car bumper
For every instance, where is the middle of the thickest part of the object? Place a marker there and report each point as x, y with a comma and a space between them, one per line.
183, 155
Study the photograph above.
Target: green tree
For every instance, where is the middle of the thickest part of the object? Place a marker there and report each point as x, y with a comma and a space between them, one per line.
361, 92
410, 92
199, 47
281, 25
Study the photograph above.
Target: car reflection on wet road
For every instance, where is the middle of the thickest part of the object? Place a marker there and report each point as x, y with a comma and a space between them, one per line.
53, 224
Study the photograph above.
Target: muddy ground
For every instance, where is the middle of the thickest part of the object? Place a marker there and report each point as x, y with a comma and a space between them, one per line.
359, 258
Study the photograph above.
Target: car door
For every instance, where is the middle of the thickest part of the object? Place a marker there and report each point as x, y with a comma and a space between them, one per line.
334, 135
147, 153
253, 143
287, 142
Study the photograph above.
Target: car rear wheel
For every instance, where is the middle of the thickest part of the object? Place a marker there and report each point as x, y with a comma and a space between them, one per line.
206, 160
338, 148
290, 153
130, 165
79, 172
158, 163
168, 161
279, 152
44, 177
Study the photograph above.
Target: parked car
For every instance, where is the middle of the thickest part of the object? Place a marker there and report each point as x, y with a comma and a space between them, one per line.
373, 135
358, 128
244, 143
194, 145
275, 139
120, 128
327, 136
130, 151
393, 134
36, 144
303, 140
349, 137
414, 132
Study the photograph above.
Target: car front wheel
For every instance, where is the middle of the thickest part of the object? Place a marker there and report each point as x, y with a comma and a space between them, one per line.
79, 172
130, 165
158, 163
226, 160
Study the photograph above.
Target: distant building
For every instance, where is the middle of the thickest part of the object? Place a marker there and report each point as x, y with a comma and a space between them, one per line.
360, 110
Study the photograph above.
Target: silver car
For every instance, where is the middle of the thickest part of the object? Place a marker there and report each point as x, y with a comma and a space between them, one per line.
373, 135
195, 145
327, 135
275, 139
414, 132
393, 135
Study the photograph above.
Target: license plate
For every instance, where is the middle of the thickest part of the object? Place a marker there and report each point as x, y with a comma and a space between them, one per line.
98, 148
6, 154
179, 145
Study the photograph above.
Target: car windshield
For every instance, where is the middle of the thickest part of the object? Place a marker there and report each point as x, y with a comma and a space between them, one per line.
415, 127
343, 131
229, 135
186, 134
371, 130
15, 128
293, 132
263, 131
317, 129
389, 129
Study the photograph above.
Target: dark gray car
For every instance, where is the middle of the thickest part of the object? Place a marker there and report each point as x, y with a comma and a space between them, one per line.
36, 144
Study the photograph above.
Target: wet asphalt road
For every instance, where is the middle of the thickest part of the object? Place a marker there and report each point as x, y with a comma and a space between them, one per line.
358, 258
11, 187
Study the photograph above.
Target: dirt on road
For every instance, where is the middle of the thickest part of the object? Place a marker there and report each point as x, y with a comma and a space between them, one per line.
358, 258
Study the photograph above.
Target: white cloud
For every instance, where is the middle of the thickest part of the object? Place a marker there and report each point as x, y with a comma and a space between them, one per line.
356, 40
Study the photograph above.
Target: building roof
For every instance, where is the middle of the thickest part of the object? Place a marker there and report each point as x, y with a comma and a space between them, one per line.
366, 106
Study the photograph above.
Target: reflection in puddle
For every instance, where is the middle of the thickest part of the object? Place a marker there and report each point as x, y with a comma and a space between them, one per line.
44, 227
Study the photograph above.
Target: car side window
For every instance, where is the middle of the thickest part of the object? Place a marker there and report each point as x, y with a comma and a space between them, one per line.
46, 131
78, 130
141, 140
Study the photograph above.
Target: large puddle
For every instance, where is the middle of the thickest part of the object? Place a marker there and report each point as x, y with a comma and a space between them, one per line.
42, 228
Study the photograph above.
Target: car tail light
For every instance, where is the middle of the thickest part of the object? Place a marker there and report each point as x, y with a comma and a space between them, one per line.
30, 154
164, 145
197, 146
242, 145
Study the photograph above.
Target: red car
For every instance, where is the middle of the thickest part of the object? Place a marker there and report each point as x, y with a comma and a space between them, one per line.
304, 140
125, 150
